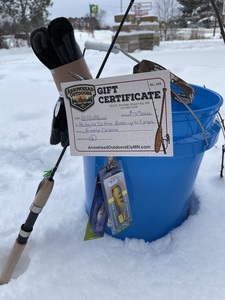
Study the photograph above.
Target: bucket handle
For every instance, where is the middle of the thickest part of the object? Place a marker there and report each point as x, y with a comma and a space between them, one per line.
195, 116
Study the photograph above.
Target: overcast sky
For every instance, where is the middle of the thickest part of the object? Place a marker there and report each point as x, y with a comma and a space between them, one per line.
79, 8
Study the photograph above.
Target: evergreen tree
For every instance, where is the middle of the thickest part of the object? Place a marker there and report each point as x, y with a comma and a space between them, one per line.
195, 11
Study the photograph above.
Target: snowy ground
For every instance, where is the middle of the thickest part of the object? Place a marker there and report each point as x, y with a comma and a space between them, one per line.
186, 264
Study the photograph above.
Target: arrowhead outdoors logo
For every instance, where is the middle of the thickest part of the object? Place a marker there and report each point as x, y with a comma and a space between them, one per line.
81, 96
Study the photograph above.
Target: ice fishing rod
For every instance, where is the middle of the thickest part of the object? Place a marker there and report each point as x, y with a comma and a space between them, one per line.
220, 21
223, 146
46, 185
41, 197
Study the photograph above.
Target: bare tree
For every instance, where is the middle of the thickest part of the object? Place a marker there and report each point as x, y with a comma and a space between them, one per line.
167, 12
27, 14
100, 16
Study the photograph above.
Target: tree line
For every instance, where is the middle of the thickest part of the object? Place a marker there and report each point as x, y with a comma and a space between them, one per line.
198, 12
173, 14
20, 17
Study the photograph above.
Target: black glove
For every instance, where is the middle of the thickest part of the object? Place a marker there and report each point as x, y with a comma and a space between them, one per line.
59, 130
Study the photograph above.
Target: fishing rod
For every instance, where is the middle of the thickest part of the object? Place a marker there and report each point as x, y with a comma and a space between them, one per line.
42, 195
223, 146
46, 185
115, 38
220, 21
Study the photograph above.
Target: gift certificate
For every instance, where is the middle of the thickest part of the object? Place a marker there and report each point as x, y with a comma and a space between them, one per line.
120, 116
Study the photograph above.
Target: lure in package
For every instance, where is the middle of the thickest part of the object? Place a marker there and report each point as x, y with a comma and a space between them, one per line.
98, 216
116, 196
110, 202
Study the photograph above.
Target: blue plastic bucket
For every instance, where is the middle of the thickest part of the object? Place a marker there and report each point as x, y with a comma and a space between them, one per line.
160, 188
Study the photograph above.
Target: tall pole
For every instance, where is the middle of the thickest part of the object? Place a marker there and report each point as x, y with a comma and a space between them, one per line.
91, 21
121, 6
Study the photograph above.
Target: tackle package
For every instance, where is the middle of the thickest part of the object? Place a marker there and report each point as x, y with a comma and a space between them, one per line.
110, 206
98, 216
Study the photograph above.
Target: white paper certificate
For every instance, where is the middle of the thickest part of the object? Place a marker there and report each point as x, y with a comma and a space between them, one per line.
120, 116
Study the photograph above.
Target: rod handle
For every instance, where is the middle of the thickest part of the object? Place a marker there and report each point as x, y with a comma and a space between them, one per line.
99, 46
43, 192
11, 262
41, 197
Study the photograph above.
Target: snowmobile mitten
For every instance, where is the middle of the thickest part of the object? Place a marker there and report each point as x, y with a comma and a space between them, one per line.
59, 130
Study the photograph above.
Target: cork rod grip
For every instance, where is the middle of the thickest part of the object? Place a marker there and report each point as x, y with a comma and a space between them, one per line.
41, 197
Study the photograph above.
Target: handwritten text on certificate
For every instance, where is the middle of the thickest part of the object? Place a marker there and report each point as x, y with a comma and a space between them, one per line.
124, 116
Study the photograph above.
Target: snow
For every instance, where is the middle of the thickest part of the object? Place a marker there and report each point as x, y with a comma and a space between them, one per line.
188, 263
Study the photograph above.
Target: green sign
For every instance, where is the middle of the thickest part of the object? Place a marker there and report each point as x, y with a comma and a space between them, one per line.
93, 9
